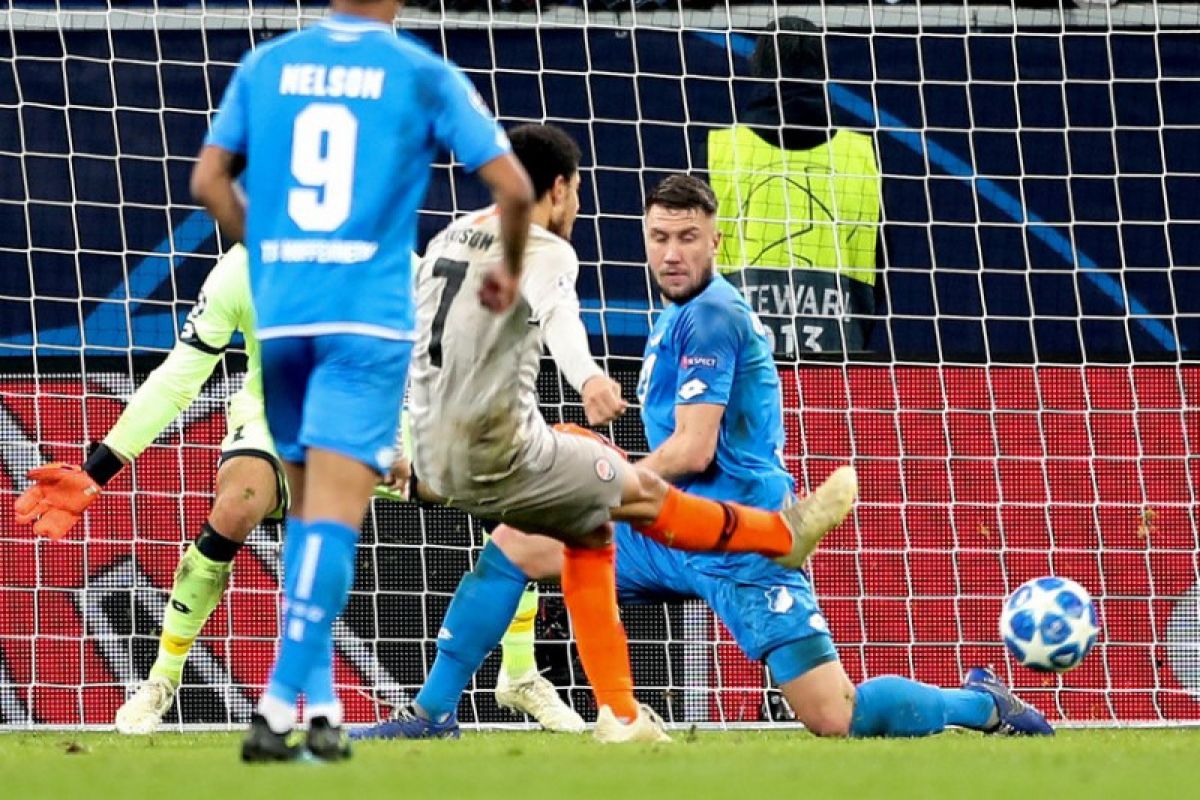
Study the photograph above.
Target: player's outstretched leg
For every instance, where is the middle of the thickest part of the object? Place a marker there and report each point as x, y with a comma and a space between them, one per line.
1014, 717
247, 491
891, 706
520, 687
687, 522
480, 611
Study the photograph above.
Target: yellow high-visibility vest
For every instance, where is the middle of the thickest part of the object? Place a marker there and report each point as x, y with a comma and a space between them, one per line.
798, 209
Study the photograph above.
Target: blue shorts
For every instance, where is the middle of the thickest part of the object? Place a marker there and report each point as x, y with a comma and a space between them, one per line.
771, 611
340, 392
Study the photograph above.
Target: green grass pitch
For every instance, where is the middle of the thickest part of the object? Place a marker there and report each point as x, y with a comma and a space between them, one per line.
777, 765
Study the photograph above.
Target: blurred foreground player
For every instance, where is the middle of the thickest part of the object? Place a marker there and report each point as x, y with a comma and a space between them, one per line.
338, 126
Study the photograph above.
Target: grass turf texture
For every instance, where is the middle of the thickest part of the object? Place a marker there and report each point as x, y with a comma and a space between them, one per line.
1128, 764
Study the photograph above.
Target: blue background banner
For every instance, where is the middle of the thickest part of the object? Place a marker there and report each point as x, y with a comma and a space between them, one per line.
1041, 195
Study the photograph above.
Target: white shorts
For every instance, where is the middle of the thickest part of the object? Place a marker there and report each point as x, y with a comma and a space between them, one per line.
569, 500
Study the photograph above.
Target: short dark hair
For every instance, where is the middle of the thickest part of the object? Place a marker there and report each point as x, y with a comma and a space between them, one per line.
789, 47
682, 192
546, 152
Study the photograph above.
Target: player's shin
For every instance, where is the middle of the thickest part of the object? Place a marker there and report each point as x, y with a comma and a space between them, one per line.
518, 656
688, 522
893, 706
481, 609
200, 581
318, 573
589, 586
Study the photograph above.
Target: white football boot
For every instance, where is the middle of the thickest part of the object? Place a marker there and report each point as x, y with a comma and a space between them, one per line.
648, 727
810, 518
143, 712
534, 695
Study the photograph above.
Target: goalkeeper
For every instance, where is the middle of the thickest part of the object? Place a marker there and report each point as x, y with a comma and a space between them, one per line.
711, 406
250, 481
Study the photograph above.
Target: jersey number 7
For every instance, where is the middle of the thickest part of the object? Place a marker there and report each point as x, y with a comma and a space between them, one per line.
455, 272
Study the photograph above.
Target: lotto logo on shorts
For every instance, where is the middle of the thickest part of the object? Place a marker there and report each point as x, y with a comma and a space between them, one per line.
605, 471
780, 600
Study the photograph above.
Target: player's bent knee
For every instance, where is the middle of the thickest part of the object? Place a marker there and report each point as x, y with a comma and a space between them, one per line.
828, 714
822, 696
235, 515
644, 487
831, 720
539, 557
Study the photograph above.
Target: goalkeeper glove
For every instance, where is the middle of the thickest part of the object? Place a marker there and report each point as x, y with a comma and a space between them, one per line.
56, 500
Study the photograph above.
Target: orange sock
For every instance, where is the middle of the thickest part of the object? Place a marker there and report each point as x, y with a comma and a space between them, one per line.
688, 522
589, 586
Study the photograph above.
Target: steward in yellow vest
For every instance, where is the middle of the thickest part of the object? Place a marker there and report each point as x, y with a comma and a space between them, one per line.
799, 204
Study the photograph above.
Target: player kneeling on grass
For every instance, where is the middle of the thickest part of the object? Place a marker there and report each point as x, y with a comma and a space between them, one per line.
481, 445
250, 479
711, 408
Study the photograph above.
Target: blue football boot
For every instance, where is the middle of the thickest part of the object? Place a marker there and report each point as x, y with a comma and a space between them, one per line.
405, 724
1016, 717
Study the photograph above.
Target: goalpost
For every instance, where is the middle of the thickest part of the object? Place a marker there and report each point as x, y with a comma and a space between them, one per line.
1025, 400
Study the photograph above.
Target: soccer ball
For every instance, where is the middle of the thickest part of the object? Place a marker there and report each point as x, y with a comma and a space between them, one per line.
1049, 624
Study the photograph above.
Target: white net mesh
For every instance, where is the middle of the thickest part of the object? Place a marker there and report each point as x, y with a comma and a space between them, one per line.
1009, 367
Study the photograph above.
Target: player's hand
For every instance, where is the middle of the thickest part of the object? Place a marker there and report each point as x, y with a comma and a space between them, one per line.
56, 500
602, 401
395, 484
499, 289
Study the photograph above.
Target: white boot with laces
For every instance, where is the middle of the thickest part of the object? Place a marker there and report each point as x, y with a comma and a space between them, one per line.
534, 695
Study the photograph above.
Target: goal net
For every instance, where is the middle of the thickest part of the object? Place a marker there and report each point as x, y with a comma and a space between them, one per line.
1006, 354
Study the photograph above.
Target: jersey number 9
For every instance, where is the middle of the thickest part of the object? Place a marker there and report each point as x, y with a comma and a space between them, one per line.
324, 139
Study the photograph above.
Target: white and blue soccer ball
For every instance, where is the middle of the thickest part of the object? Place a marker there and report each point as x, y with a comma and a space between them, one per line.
1049, 624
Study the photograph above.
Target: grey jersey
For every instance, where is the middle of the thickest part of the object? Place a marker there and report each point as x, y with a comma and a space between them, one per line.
472, 383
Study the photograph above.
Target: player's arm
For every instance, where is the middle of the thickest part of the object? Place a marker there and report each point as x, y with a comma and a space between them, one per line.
513, 195
61, 492
549, 287
708, 341
223, 156
214, 188
691, 446
464, 125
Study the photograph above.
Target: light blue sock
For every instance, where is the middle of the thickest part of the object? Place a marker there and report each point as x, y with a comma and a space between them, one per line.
477, 618
318, 574
893, 706
318, 687
284, 684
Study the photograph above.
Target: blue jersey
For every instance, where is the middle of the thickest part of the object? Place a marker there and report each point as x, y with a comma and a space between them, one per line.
712, 349
339, 124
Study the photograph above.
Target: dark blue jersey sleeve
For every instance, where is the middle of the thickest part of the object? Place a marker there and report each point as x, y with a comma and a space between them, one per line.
708, 339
